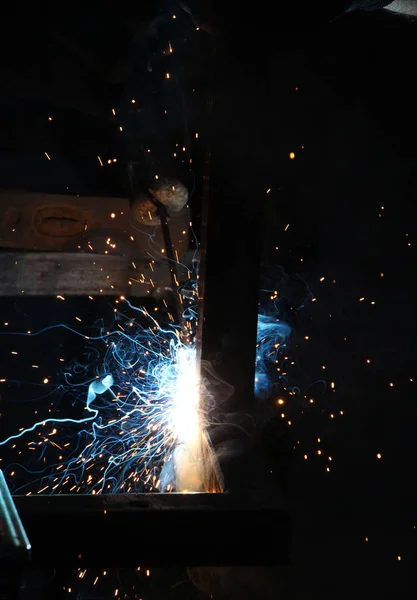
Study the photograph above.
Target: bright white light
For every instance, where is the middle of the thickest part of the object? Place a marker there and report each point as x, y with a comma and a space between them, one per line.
185, 412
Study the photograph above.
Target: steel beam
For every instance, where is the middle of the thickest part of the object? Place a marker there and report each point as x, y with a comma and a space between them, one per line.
124, 530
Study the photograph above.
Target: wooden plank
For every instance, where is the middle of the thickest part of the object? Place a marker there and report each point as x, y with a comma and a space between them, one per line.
71, 230
63, 273
79, 273
37, 221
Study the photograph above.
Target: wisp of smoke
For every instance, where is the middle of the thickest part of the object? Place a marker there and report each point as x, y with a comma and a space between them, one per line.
272, 336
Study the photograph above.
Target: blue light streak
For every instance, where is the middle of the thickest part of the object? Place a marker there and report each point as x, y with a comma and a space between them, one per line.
272, 337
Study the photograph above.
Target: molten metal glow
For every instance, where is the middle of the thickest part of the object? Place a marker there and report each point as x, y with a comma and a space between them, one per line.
185, 411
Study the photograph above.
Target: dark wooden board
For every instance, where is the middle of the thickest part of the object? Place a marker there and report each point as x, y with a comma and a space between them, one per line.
37, 221
63, 273
82, 245
80, 274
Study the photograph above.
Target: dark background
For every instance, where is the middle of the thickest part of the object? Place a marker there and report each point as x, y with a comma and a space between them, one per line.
338, 91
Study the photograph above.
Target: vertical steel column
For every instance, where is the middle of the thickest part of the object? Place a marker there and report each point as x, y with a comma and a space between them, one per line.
233, 255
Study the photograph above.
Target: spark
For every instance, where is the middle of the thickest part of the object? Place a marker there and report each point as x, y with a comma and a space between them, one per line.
141, 415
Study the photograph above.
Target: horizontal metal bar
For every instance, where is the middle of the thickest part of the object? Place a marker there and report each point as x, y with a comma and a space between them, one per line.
128, 530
